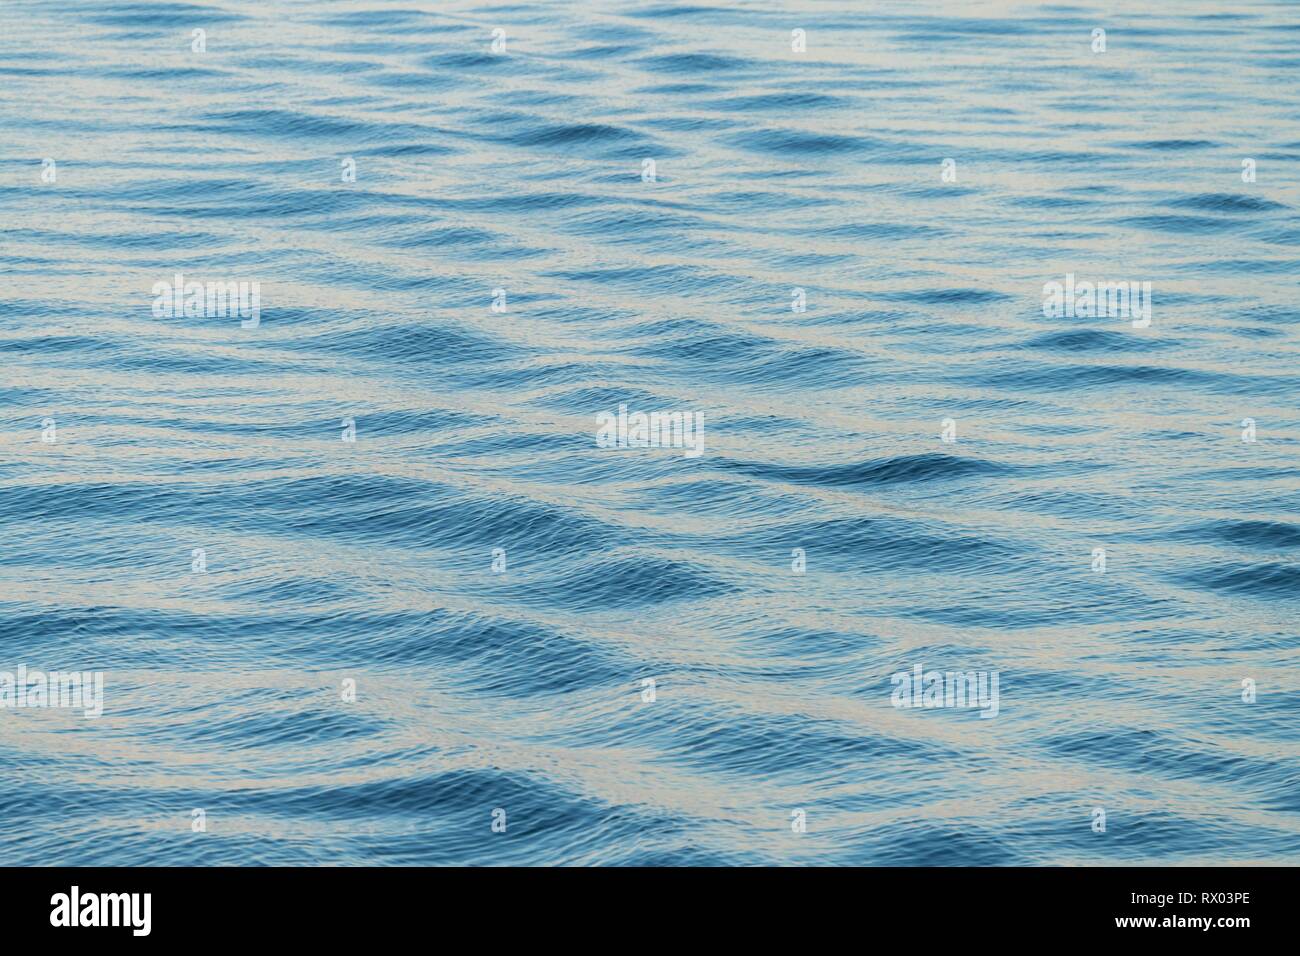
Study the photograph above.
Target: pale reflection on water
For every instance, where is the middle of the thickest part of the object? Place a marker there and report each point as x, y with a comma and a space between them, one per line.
775, 171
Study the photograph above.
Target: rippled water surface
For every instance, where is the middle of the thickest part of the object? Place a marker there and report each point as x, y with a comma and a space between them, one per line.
775, 170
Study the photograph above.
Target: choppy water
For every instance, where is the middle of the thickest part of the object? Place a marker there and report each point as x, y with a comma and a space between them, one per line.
475, 430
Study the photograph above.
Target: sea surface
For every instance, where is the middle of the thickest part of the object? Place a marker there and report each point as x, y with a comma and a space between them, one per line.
192, 523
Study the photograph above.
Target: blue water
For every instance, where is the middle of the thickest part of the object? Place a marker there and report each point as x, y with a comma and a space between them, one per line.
371, 561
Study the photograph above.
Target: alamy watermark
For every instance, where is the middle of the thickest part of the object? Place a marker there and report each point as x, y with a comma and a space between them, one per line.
922, 688
653, 430
1123, 300
212, 300
71, 689
76, 908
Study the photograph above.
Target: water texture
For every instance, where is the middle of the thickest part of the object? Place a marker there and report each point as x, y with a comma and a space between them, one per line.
523, 170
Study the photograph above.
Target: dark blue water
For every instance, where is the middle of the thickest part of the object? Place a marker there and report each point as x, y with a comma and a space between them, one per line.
521, 170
